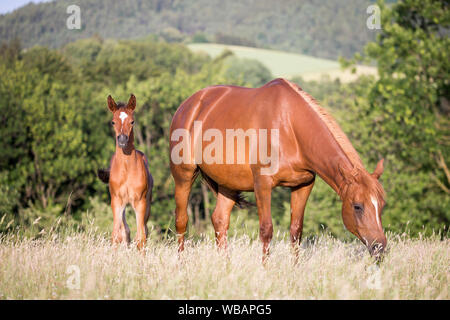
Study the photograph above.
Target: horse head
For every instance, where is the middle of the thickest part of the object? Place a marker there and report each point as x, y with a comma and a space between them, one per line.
362, 205
123, 119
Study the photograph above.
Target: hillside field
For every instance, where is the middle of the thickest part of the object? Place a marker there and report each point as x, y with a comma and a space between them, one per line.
285, 64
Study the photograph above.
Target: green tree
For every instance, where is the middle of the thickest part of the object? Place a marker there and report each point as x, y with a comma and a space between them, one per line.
405, 117
411, 102
249, 71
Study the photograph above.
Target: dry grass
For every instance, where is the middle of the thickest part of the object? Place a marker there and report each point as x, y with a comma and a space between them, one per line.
327, 269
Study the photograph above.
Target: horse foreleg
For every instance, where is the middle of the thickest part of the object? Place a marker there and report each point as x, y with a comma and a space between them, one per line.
263, 193
299, 197
124, 229
182, 190
141, 210
221, 219
121, 231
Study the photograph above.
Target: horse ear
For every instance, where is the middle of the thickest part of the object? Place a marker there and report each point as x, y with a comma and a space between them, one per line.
131, 102
346, 173
111, 104
379, 169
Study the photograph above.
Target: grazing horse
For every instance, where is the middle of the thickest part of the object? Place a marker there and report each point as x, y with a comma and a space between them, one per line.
129, 178
309, 142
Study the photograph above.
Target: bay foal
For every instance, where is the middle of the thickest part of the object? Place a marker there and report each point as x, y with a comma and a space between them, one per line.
129, 178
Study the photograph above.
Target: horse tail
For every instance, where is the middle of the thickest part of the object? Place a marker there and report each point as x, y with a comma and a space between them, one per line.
240, 200
103, 175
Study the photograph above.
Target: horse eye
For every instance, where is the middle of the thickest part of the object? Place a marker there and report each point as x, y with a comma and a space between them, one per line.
358, 208
113, 123
132, 122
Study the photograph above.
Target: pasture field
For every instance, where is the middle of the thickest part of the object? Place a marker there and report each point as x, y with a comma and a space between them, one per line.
286, 64
48, 268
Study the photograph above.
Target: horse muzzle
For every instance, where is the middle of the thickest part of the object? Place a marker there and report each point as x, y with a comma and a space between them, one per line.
377, 248
122, 140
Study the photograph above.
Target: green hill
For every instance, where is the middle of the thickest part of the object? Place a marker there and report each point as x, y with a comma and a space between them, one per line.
327, 29
285, 64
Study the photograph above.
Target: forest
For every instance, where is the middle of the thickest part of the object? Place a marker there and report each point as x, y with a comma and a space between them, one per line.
327, 29
54, 121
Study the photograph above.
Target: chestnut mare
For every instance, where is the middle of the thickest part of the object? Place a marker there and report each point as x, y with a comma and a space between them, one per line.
129, 178
310, 143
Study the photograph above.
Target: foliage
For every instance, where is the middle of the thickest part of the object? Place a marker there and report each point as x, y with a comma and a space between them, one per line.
320, 28
55, 125
412, 91
113, 62
409, 104
249, 71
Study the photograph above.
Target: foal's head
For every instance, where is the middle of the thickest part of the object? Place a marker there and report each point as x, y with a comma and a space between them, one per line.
123, 119
363, 203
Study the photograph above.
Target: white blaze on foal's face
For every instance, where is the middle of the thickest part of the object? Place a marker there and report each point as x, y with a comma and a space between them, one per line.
123, 116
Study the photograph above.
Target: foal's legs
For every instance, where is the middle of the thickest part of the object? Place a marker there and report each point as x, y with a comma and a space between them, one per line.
299, 196
263, 194
221, 218
121, 231
142, 211
142, 214
124, 229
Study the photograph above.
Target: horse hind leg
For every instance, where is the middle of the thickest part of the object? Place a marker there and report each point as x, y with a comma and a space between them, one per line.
221, 218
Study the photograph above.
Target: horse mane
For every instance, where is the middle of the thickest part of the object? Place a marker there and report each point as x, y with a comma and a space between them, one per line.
331, 124
360, 173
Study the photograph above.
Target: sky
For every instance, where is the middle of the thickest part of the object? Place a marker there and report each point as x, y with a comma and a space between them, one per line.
7, 6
